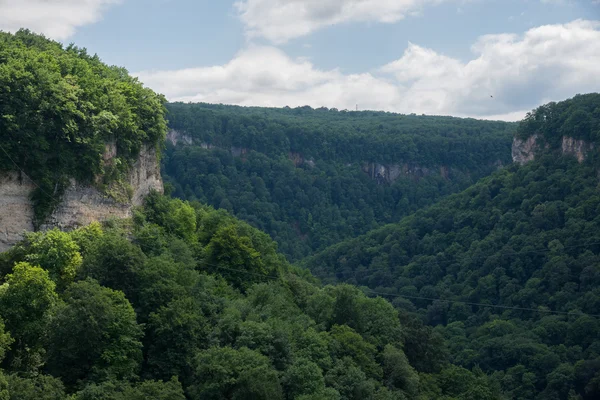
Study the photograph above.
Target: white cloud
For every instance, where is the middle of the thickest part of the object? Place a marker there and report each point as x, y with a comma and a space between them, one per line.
282, 20
547, 63
56, 19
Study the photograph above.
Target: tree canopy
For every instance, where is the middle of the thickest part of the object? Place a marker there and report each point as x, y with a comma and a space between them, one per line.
60, 107
311, 178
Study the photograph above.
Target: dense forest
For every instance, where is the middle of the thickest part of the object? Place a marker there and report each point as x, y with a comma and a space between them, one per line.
491, 293
59, 106
185, 301
507, 271
313, 177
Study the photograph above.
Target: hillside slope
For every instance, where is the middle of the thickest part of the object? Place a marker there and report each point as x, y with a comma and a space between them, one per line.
188, 302
508, 270
311, 178
79, 140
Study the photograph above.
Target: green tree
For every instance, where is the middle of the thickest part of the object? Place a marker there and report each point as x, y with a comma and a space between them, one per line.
226, 373
56, 252
42, 387
115, 262
119, 390
94, 336
176, 332
233, 256
303, 378
398, 373
27, 303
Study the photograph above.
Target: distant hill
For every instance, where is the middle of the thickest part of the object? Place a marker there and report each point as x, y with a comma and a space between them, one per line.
508, 270
313, 177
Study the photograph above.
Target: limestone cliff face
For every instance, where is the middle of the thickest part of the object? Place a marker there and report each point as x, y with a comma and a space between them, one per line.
577, 148
524, 151
388, 173
16, 211
175, 137
80, 204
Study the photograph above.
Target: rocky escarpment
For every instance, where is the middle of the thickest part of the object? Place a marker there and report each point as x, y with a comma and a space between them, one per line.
388, 173
16, 210
175, 137
524, 151
577, 148
80, 204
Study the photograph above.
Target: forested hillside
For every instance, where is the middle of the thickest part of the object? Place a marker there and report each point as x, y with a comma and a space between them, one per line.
59, 107
507, 271
188, 302
312, 177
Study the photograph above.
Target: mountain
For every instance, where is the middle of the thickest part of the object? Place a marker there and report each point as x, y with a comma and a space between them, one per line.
184, 301
313, 177
79, 141
165, 299
508, 271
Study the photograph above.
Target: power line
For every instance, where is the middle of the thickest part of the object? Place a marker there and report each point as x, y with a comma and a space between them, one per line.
429, 298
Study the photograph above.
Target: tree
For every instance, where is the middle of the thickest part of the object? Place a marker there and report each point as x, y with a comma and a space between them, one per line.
345, 342
39, 387
5, 341
226, 373
241, 264
27, 303
56, 252
94, 336
398, 373
120, 390
303, 378
176, 333
115, 262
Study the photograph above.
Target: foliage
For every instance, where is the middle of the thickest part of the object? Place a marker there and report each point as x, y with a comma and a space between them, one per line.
577, 118
299, 174
59, 106
507, 271
27, 303
255, 328
94, 336
54, 251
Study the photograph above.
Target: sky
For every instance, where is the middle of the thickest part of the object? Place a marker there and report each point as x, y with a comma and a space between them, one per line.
491, 59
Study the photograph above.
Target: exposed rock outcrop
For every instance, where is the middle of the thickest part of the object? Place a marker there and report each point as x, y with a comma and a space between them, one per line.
80, 204
175, 137
388, 173
524, 151
577, 148
16, 210
298, 159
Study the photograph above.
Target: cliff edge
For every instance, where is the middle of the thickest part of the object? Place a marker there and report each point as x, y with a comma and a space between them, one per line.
79, 205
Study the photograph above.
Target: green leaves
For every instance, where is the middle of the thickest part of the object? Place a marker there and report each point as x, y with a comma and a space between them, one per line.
56, 252
27, 304
226, 373
94, 336
60, 106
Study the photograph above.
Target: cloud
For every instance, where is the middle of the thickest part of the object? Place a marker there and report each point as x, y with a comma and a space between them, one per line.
57, 19
282, 20
546, 63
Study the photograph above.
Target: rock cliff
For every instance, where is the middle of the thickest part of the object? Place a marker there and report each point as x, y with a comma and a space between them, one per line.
385, 173
175, 137
577, 148
524, 151
80, 204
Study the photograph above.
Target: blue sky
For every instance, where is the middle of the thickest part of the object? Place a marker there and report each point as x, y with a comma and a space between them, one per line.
424, 56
